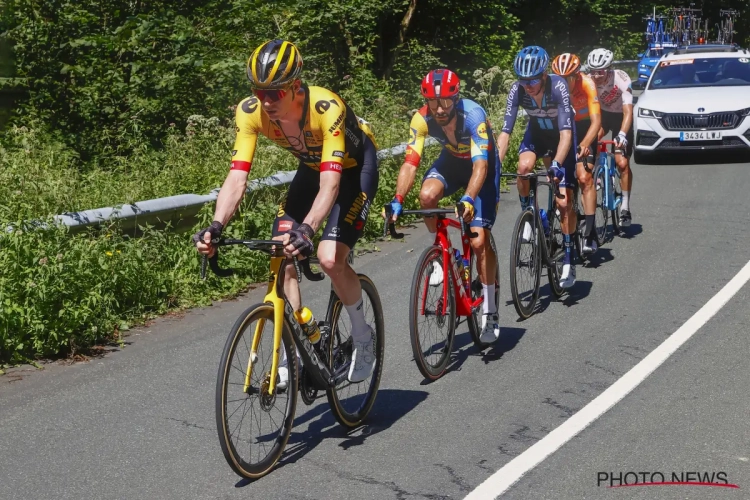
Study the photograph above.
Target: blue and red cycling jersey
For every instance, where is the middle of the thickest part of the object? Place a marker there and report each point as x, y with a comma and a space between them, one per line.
474, 139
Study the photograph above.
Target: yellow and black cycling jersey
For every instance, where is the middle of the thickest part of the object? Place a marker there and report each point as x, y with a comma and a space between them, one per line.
332, 135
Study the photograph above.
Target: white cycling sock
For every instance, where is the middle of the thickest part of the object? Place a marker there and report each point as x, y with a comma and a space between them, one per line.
489, 305
626, 200
356, 311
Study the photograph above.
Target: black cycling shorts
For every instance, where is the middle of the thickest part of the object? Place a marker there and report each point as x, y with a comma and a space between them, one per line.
347, 219
611, 122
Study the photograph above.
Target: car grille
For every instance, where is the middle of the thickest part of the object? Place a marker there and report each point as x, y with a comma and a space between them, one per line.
714, 121
726, 142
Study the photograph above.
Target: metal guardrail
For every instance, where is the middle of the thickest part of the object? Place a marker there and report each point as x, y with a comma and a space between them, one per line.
182, 208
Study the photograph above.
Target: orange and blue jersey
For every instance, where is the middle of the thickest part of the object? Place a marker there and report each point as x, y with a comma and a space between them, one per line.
474, 139
585, 97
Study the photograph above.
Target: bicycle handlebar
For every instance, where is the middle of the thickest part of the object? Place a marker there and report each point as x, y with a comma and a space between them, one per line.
536, 174
261, 246
390, 227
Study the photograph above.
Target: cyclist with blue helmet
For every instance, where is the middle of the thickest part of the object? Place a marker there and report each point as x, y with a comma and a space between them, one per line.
550, 133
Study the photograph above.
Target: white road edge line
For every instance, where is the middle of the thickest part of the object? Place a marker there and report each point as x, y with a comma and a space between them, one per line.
499, 482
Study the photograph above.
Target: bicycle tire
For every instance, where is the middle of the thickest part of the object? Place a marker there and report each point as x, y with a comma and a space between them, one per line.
239, 465
525, 310
475, 329
602, 212
616, 189
431, 371
343, 416
579, 213
556, 250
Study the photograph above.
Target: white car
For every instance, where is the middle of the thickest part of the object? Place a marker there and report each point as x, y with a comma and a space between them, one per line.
697, 98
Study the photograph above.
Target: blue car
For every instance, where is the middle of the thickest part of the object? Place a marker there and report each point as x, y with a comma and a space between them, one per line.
648, 62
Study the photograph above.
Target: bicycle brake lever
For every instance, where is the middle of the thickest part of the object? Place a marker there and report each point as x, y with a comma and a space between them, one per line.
204, 261
296, 268
390, 227
308, 272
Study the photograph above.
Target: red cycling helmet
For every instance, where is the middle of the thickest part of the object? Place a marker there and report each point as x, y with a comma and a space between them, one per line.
440, 84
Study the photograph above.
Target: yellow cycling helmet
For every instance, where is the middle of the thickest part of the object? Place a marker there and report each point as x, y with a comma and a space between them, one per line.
274, 64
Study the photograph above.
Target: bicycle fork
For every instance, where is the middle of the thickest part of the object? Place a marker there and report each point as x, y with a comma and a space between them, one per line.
282, 309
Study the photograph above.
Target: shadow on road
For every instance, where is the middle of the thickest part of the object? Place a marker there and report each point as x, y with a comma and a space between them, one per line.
580, 290
602, 256
509, 338
631, 231
390, 406
707, 158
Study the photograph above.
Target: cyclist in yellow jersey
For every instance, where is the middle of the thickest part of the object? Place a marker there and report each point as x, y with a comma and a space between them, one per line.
337, 179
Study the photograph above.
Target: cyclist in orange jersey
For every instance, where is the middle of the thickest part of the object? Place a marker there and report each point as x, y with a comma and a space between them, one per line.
588, 119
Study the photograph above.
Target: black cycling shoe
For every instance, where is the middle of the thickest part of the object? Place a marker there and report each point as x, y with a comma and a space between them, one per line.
625, 218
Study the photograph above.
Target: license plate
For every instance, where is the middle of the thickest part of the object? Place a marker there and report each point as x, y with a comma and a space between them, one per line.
703, 135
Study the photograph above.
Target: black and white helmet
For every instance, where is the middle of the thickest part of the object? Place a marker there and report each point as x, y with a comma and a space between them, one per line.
600, 59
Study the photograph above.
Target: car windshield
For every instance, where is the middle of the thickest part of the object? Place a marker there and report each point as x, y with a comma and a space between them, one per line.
655, 53
694, 71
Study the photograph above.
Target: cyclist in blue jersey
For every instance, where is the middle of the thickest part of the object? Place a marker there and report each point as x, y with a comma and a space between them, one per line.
468, 160
550, 133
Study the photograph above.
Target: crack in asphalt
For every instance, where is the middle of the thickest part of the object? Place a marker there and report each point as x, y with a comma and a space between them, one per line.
606, 370
401, 494
455, 478
565, 409
186, 423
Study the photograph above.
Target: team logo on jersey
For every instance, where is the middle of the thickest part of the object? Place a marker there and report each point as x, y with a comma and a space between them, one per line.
337, 133
340, 154
234, 152
482, 130
412, 135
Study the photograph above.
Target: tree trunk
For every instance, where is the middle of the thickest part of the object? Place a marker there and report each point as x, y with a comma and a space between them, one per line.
405, 22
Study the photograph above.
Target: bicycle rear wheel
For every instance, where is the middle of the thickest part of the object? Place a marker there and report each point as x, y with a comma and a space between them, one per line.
249, 455
602, 212
352, 402
475, 320
525, 266
426, 316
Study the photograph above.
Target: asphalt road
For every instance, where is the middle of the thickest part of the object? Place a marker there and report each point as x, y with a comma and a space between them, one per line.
139, 423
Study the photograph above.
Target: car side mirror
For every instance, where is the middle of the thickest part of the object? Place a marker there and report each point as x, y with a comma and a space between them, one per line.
635, 99
639, 55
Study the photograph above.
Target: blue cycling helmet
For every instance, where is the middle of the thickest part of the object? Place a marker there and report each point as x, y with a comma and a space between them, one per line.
531, 62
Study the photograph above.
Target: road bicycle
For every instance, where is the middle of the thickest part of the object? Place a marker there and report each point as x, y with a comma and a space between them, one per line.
460, 295
608, 190
726, 28
247, 383
545, 247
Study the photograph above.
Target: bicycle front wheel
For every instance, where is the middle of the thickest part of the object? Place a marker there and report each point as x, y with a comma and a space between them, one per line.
254, 426
525, 264
616, 189
352, 402
556, 252
432, 314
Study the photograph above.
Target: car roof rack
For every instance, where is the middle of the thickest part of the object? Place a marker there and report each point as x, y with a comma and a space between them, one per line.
694, 49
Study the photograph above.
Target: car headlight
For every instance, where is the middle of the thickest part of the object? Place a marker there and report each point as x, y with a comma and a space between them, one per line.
643, 66
744, 112
649, 113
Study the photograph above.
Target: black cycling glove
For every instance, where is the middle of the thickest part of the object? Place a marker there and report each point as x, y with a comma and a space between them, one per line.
301, 239
215, 229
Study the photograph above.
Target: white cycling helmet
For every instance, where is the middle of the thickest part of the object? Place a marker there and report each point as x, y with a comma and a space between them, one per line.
600, 59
